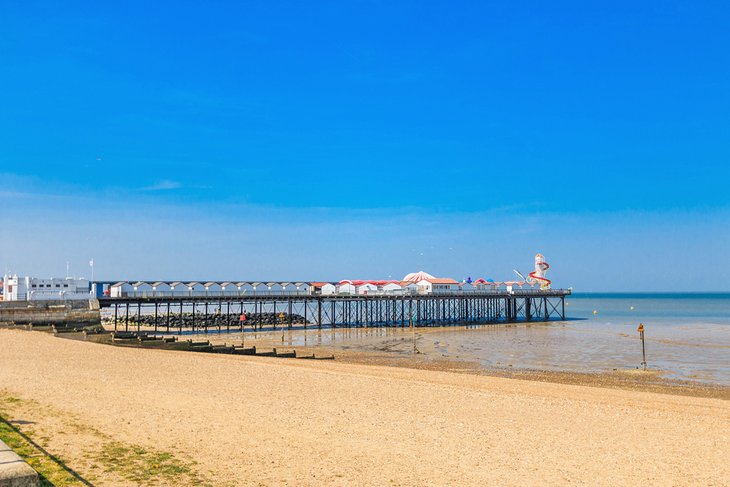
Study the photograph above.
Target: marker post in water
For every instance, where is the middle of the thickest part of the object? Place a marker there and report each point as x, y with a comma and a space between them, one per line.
413, 331
643, 346
281, 320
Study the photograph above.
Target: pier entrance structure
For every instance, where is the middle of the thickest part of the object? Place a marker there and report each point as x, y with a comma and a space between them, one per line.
171, 313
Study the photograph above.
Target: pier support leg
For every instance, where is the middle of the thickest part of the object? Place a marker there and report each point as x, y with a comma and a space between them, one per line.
410, 310
319, 313
403, 313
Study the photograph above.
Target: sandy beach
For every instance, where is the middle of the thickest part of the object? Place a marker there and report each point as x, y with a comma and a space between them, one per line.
235, 420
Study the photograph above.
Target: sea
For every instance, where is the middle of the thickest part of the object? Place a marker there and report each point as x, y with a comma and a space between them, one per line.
687, 337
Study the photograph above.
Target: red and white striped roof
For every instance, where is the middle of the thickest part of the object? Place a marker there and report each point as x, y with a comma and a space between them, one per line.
418, 276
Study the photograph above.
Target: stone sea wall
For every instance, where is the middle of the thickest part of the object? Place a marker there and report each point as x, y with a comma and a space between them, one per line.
45, 313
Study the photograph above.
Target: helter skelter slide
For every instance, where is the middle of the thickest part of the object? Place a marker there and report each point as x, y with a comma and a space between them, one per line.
538, 275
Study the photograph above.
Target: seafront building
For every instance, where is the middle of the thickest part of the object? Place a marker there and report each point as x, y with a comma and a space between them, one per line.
38, 289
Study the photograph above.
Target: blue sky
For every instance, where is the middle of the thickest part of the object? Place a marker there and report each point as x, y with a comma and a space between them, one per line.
325, 140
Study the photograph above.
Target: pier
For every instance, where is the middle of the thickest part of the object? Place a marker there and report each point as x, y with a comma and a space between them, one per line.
234, 313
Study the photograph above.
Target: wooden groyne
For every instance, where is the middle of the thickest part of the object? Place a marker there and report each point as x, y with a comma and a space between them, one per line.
151, 340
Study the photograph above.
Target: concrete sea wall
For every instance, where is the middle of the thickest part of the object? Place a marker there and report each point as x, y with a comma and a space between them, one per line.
14, 472
45, 313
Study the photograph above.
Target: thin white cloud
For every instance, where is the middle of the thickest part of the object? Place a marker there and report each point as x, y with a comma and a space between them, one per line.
163, 185
17, 194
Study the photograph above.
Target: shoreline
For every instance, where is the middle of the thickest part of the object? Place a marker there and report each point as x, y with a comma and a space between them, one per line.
626, 379
397, 353
630, 379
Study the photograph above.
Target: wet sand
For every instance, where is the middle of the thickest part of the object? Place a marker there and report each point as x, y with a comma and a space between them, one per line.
629, 379
263, 421
682, 352
435, 351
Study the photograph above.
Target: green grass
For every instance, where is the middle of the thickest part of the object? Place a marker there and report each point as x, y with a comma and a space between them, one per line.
50, 471
107, 459
144, 466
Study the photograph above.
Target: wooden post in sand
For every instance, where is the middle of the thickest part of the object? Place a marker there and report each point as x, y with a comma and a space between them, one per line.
413, 334
643, 347
281, 319
413, 331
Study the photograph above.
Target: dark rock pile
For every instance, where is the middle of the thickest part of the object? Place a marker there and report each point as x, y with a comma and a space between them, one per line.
215, 319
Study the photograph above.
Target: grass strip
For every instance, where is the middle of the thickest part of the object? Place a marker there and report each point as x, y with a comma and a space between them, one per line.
146, 466
51, 469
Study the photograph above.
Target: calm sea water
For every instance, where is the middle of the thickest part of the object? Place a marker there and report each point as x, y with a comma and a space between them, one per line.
687, 337
666, 308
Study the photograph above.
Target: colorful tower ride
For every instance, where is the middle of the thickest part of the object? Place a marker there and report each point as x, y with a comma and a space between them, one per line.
538, 275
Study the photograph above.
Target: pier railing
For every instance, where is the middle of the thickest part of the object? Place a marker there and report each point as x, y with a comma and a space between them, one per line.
276, 293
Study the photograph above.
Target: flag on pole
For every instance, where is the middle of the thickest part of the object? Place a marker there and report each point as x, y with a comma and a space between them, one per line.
91, 263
